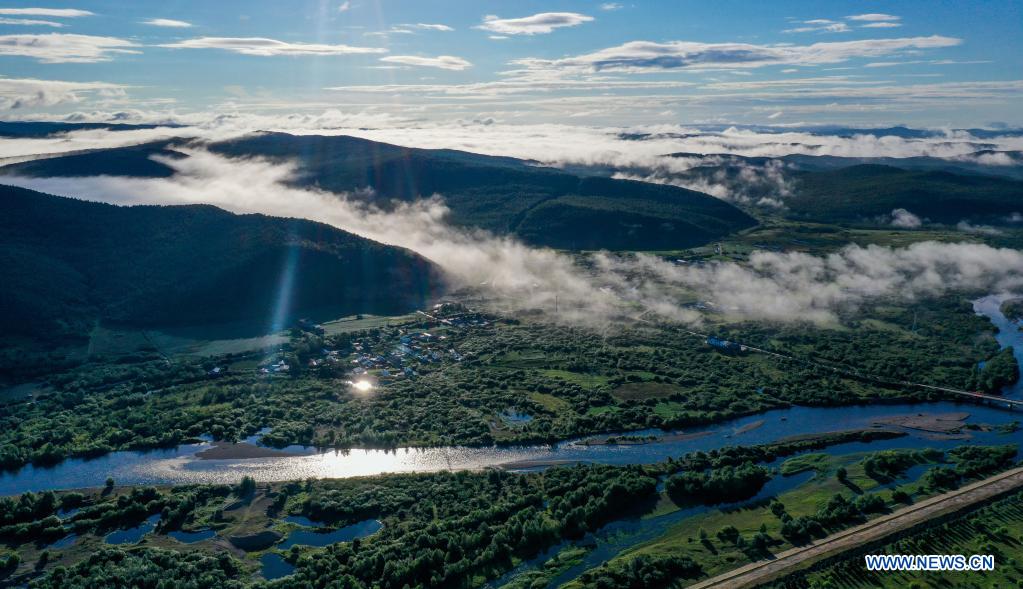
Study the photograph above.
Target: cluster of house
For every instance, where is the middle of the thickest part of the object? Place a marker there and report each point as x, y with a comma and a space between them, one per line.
412, 349
328, 357
275, 368
456, 315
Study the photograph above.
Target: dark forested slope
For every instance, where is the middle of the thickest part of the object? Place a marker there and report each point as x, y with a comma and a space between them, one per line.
67, 262
543, 206
866, 191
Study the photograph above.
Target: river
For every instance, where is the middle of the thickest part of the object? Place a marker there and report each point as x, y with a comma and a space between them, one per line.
181, 465
1009, 334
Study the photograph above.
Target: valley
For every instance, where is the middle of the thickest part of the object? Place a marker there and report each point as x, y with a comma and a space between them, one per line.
308, 405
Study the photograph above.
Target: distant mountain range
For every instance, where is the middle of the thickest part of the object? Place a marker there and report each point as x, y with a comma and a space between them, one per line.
833, 130
542, 206
47, 128
864, 191
1008, 164
834, 189
44, 128
67, 263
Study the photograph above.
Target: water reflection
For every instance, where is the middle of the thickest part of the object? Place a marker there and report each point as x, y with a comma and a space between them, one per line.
301, 520
1009, 334
275, 567
133, 535
192, 537
64, 542
619, 535
345, 534
180, 465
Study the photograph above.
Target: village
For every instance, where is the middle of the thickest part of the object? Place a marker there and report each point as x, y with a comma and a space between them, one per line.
377, 356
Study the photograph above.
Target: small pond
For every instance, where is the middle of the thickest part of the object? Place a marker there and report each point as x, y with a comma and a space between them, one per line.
275, 567
64, 542
301, 520
191, 537
345, 534
133, 535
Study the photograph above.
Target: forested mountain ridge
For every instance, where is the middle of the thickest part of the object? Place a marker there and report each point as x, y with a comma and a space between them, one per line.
542, 206
869, 190
836, 189
68, 262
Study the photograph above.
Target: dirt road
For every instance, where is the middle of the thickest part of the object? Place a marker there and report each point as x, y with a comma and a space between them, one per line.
785, 562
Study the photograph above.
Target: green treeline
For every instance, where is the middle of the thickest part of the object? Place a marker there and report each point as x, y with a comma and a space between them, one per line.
999, 371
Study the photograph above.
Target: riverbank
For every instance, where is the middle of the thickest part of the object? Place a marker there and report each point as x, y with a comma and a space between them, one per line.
239, 451
182, 465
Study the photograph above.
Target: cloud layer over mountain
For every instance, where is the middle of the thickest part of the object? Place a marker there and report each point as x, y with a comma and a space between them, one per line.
605, 287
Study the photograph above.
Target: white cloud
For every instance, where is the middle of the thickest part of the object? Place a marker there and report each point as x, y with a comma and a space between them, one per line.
445, 62
344, 6
559, 144
430, 27
64, 48
410, 29
28, 148
269, 47
904, 219
31, 93
771, 286
167, 22
30, 22
57, 12
523, 86
802, 287
959, 62
992, 158
820, 25
390, 31
609, 6
647, 56
874, 17
967, 227
881, 25
537, 24
621, 147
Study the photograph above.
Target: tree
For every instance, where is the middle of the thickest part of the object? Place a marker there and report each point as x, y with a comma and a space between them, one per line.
246, 487
900, 496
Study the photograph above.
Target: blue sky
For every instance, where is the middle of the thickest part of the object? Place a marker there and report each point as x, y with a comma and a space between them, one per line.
604, 63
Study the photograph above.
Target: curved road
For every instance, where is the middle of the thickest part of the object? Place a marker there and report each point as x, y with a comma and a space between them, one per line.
907, 517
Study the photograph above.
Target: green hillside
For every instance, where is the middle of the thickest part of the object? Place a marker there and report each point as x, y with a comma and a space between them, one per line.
865, 192
67, 262
543, 206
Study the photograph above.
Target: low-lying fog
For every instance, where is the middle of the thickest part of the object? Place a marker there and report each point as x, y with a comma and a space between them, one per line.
589, 291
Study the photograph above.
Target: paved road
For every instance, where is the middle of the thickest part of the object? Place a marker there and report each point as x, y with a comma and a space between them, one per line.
785, 562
